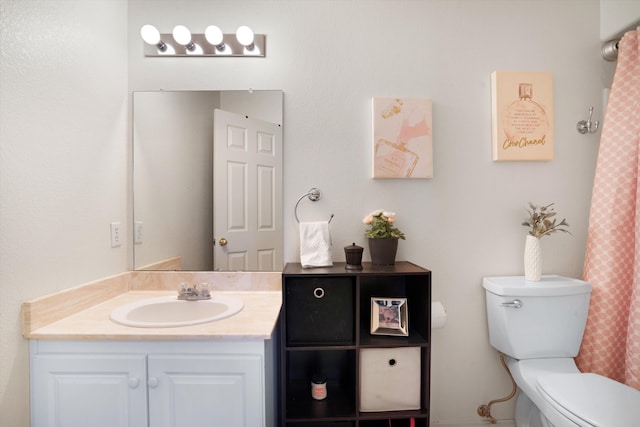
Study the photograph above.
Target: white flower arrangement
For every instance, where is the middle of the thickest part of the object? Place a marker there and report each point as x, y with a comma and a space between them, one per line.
382, 227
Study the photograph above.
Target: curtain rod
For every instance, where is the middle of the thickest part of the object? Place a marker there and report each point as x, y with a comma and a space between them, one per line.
610, 49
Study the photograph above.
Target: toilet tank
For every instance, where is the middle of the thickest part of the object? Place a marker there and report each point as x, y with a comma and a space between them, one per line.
531, 320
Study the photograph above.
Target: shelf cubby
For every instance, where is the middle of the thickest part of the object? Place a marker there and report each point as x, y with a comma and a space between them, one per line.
326, 326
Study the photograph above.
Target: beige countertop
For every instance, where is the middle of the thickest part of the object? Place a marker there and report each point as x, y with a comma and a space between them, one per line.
91, 321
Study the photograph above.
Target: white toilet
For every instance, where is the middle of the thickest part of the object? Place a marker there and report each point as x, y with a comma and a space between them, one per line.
539, 326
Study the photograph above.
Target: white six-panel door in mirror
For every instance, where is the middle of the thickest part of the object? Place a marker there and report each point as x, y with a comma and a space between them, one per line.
248, 182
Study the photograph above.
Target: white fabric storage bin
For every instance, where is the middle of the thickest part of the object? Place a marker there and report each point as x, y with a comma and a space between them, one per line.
389, 379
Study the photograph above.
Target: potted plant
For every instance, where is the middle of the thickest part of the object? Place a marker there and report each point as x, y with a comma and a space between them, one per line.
383, 236
541, 222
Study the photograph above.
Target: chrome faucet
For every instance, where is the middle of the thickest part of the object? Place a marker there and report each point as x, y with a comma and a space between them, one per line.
194, 293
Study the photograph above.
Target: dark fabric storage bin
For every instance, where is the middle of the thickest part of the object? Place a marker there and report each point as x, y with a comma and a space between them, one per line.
320, 310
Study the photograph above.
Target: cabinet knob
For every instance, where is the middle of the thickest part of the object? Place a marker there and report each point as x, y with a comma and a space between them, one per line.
318, 293
153, 382
133, 382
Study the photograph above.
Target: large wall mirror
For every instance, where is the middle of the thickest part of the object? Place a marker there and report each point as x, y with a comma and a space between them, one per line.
176, 215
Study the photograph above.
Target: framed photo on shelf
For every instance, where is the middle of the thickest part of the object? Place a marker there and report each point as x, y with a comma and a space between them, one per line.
389, 316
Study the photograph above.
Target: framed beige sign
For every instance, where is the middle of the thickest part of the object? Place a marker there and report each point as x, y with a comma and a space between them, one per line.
522, 115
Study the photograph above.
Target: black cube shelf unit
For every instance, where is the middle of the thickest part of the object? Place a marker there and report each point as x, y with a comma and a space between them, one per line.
325, 328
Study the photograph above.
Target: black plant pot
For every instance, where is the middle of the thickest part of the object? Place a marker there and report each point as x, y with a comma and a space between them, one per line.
383, 251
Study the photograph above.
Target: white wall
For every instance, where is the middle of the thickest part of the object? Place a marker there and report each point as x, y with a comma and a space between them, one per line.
261, 105
617, 17
65, 153
63, 162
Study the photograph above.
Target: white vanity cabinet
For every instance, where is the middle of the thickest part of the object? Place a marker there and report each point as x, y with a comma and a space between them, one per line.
152, 383
211, 390
97, 390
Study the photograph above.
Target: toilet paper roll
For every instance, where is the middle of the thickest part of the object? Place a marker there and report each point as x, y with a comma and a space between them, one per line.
438, 315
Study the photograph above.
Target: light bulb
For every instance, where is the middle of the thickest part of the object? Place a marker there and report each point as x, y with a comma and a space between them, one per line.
244, 35
151, 35
214, 36
182, 35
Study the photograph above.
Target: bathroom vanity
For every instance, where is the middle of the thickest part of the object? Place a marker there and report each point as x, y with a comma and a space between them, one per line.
155, 383
335, 332
87, 370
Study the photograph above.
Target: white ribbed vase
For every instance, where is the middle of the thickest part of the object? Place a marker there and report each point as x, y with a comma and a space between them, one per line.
532, 259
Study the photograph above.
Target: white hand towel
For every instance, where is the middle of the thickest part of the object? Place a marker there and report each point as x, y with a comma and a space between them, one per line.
315, 244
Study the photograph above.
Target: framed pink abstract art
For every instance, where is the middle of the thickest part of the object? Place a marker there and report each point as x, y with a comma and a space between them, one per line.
402, 138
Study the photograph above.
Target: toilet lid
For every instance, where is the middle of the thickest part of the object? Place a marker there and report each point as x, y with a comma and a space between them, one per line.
591, 400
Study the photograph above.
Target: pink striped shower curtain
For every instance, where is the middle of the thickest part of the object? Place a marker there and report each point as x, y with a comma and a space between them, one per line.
611, 344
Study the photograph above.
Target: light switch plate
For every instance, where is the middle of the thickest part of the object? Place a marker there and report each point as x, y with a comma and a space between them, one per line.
139, 228
115, 235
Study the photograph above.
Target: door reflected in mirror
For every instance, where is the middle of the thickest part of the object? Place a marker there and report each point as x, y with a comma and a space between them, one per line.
180, 209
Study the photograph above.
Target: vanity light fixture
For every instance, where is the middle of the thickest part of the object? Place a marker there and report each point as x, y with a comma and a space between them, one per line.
213, 42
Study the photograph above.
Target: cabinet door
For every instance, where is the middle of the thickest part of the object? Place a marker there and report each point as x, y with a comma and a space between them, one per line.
206, 391
88, 390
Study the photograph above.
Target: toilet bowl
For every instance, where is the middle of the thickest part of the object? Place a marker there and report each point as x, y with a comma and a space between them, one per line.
539, 327
558, 394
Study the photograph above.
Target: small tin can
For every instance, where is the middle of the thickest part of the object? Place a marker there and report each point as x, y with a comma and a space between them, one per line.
319, 387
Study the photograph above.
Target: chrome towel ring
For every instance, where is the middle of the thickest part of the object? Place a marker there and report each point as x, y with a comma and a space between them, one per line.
314, 196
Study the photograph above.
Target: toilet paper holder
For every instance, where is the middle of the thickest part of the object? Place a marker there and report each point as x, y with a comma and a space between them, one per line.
438, 315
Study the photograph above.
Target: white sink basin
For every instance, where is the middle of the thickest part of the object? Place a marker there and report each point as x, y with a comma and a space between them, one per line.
169, 312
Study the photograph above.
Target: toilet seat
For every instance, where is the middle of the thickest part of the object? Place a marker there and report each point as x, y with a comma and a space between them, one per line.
590, 399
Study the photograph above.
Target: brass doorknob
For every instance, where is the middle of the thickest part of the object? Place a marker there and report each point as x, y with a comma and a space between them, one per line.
223, 241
